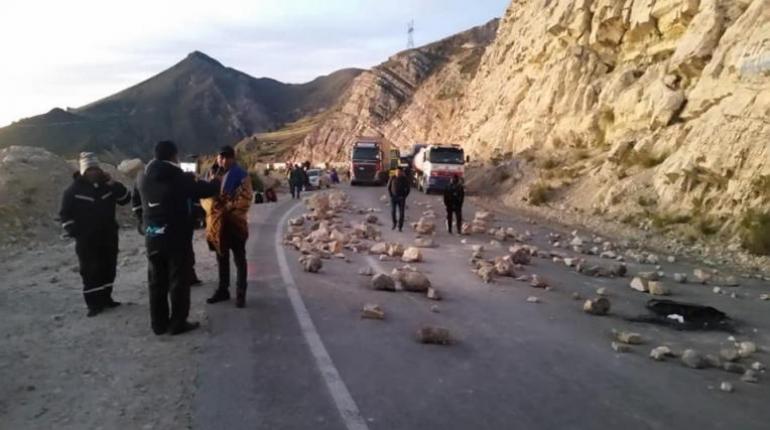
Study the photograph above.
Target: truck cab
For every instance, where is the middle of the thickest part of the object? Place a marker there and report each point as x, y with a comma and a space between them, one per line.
435, 165
369, 162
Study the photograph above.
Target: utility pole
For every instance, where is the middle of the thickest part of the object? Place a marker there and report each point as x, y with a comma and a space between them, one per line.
410, 33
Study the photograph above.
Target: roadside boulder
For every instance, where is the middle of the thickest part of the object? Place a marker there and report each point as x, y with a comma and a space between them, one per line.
424, 242
656, 288
504, 266
639, 284
693, 359
395, 249
702, 275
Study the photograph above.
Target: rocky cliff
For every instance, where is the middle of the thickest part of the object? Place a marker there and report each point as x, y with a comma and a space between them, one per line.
642, 110
654, 106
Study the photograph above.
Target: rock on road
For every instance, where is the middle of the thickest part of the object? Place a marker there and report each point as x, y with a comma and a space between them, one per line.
514, 364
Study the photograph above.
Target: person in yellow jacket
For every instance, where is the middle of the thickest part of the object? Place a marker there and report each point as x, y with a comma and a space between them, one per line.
227, 225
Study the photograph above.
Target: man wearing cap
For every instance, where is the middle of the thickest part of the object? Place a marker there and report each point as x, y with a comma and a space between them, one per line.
227, 224
163, 198
88, 215
398, 189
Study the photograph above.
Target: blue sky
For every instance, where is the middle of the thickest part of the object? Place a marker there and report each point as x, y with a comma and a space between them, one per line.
68, 53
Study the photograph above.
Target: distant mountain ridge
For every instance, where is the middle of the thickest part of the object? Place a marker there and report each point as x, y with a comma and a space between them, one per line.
198, 102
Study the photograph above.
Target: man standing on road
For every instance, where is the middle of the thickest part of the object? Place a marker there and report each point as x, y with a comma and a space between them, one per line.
297, 179
88, 215
398, 189
454, 195
166, 195
227, 226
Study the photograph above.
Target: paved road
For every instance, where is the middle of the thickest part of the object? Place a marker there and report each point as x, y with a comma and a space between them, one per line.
516, 366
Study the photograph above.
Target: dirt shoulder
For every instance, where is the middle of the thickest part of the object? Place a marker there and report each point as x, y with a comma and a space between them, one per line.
63, 370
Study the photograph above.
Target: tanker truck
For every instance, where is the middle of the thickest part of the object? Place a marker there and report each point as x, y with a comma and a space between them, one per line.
435, 165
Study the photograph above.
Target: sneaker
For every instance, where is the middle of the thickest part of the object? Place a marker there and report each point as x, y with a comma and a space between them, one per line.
184, 328
220, 295
92, 312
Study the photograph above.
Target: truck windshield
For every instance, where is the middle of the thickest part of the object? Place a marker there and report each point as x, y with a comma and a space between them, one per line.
366, 154
447, 156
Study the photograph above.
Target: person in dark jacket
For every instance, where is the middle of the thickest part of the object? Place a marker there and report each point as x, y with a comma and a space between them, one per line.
398, 189
454, 196
88, 215
297, 179
165, 195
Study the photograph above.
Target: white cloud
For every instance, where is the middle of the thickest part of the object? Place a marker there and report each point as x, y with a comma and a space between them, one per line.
69, 53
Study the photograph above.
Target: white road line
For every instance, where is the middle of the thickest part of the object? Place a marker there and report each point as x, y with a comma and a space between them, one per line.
334, 383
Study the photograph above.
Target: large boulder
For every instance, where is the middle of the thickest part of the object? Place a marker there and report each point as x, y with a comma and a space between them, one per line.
411, 255
383, 282
414, 281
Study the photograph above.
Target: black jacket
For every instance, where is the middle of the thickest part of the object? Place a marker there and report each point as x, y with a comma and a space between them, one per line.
88, 209
454, 195
164, 199
399, 187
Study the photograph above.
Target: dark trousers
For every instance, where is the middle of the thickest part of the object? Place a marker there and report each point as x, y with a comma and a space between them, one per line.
169, 271
98, 260
457, 213
232, 242
397, 206
295, 190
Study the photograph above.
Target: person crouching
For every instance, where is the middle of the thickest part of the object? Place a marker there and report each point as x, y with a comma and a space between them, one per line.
88, 215
227, 226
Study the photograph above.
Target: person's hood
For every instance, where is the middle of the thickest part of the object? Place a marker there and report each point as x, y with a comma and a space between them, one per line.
161, 171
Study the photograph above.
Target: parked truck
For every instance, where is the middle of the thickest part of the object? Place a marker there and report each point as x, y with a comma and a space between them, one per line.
369, 161
435, 165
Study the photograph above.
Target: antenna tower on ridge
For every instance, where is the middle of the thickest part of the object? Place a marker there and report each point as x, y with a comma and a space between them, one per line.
410, 32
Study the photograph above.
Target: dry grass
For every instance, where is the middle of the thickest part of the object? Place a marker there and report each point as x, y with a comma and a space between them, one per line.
755, 232
539, 193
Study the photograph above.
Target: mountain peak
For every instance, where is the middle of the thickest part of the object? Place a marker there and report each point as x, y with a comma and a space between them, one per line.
200, 56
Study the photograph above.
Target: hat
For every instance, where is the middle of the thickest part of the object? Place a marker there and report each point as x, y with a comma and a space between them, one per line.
88, 160
227, 152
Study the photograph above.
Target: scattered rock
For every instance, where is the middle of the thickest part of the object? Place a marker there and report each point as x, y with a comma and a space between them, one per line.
311, 263
434, 309
366, 271
434, 335
424, 242
372, 219
702, 276
680, 278
504, 266
486, 272
734, 368
424, 226
414, 282
656, 288
601, 291
745, 349
533, 299
620, 347
750, 376
433, 294
576, 296
372, 311
383, 282
395, 250
726, 387
660, 353
379, 248
538, 282
297, 222
693, 359
729, 354
639, 284
411, 255
757, 366
649, 276
629, 337
599, 306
